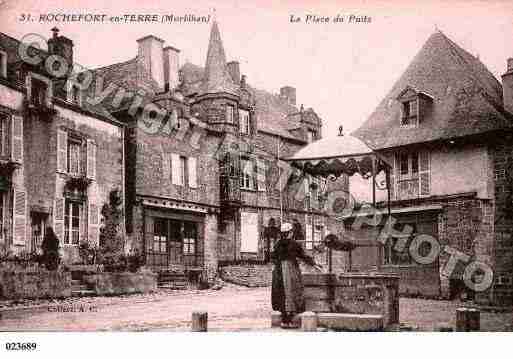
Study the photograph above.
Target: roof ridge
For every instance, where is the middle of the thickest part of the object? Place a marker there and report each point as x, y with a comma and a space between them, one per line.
114, 64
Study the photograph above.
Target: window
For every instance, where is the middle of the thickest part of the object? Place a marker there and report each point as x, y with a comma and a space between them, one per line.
38, 230
39, 92
399, 255
189, 238
229, 113
413, 174
311, 136
245, 124
74, 151
2, 211
409, 117
247, 174
160, 234
75, 95
72, 217
184, 170
4, 131
3, 64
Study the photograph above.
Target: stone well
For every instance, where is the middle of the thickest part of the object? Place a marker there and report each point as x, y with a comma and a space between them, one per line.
353, 292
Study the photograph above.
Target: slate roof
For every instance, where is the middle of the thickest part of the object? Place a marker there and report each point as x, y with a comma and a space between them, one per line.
10, 45
466, 99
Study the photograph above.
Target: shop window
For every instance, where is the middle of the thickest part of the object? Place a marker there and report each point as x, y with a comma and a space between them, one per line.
160, 234
189, 238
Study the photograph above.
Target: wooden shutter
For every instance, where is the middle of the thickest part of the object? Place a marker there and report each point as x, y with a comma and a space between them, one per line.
62, 150
91, 159
176, 175
166, 166
424, 175
19, 218
193, 180
94, 223
261, 175
17, 139
58, 219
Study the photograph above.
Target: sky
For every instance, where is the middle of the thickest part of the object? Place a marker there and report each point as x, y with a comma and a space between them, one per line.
341, 70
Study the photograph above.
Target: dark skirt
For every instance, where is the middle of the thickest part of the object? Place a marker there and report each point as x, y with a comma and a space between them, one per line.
287, 287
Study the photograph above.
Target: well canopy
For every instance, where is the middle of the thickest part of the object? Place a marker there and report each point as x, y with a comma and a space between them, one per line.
335, 156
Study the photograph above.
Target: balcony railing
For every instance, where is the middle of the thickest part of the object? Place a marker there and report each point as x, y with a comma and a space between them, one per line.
230, 191
408, 189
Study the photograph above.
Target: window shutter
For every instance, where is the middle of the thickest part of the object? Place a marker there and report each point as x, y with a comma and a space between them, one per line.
94, 223
58, 219
91, 159
17, 139
424, 175
193, 180
261, 178
62, 151
19, 218
176, 176
166, 166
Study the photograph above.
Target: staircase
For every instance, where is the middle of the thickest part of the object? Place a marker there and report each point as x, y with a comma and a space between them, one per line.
81, 289
169, 279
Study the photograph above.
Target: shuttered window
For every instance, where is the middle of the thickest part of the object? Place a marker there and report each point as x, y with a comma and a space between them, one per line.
176, 172
20, 222
91, 159
261, 175
58, 218
72, 218
73, 160
17, 139
424, 173
193, 168
62, 151
411, 175
94, 223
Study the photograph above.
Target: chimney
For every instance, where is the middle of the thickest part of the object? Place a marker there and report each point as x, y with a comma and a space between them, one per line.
507, 87
289, 93
61, 46
234, 71
151, 60
171, 67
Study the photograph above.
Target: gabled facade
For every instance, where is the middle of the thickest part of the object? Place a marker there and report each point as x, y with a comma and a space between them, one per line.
202, 185
60, 157
446, 128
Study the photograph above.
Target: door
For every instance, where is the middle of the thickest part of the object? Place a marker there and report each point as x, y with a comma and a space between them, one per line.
38, 224
175, 241
249, 232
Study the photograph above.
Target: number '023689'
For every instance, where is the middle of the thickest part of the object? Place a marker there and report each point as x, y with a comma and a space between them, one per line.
20, 346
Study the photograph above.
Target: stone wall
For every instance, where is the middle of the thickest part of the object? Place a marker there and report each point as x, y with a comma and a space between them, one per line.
249, 275
34, 284
121, 283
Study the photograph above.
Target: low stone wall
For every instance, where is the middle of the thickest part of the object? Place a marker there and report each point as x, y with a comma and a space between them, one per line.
121, 283
248, 275
417, 280
34, 284
357, 293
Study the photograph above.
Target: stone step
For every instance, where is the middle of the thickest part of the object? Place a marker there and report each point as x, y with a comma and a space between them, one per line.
83, 293
352, 322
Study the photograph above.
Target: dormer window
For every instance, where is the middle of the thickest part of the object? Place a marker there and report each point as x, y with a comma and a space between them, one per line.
75, 95
244, 122
410, 113
311, 135
39, 90
3, 64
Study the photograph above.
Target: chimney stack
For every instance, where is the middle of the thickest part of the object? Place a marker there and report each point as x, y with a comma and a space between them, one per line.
61, 46
289, 93
234, 71
171, 67
151, 61
507, 87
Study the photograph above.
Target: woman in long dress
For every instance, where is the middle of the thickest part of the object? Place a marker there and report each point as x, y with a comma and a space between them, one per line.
287, 285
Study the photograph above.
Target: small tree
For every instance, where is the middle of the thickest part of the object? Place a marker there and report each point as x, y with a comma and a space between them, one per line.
50, 257
111, 242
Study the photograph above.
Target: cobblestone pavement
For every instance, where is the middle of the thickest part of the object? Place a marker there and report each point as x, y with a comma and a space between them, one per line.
231, 308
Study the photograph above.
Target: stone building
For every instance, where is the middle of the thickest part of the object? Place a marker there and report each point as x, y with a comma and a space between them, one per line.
60, 155
203, 175
446, 128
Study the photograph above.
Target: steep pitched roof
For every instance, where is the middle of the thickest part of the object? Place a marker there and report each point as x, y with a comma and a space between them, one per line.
216, 79
275, 115
466, 99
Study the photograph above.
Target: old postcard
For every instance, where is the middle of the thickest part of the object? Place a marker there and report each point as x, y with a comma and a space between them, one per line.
227, 166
